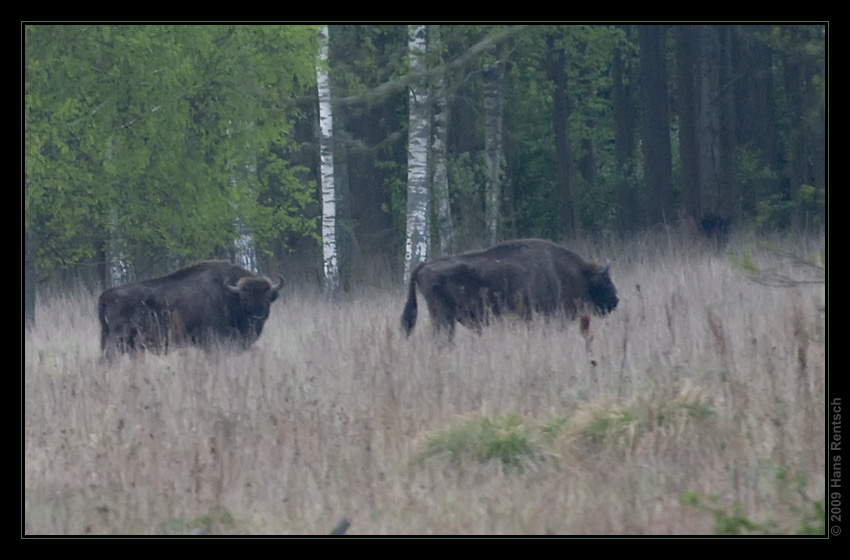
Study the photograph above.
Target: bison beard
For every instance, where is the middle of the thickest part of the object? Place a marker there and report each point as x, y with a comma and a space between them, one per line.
206, 303
520, 277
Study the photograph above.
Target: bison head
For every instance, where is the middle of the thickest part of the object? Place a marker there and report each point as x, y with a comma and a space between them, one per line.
255, 296
602, 291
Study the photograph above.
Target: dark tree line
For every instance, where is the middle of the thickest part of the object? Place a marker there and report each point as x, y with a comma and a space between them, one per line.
606, 128
156, 139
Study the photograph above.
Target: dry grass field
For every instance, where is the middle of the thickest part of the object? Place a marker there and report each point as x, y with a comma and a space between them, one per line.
696, 407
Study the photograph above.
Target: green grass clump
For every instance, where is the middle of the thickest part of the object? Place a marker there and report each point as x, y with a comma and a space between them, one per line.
506, 439
623, 426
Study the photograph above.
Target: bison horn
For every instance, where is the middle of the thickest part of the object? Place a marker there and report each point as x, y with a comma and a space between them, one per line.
279, 284
230, 287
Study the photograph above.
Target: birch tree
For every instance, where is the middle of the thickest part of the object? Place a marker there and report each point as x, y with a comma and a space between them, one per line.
329, 252
119, 268
418, 239
245, 252
127, 154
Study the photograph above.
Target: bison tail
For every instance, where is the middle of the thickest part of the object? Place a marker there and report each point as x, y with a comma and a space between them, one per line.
408, 316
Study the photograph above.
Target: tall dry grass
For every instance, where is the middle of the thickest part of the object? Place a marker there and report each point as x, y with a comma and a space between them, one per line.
701, 384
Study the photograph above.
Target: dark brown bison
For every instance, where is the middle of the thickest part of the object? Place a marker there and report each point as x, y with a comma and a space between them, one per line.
208, 302
519, 277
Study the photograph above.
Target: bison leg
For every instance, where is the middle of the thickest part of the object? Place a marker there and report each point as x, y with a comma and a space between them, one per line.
442, 317
445, 326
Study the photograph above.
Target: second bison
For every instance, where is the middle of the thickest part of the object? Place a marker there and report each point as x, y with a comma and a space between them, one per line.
519, 277
203, 304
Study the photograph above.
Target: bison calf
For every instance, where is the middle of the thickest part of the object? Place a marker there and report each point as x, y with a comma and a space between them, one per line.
208, 302
519, 277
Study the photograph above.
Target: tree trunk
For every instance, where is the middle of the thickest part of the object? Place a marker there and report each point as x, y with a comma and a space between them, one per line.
418, 238
756, 115
806, 154
445, 226
688, 139
727, 207
493, 81
557, 73
119, 269
658, 173
628, 218
329, 253
345, 228
714, 122
244, 252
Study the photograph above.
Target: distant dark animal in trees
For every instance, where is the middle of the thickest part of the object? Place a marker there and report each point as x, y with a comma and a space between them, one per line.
715, 228
712, 227
520, 277
211, 302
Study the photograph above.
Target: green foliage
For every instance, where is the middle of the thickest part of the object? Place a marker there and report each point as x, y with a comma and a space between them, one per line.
813, 520
751, 169
395, 185
467, 176
219, 521
507, 440
622, 426
156, 138
736, 523
367, 66
806, 207
150, 135
807, 516
727, 521
598, 210
611, 425
532, 160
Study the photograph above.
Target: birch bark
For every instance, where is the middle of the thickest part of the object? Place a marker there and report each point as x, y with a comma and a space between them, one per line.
419, 130
329, 250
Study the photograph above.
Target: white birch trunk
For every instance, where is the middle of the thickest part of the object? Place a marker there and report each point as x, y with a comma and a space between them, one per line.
416, 247
329, 252
493, 79
245, 254
119, 269
246, 251
438, 151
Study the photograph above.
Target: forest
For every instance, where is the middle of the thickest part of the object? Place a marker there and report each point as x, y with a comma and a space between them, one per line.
690, 159
148, 147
